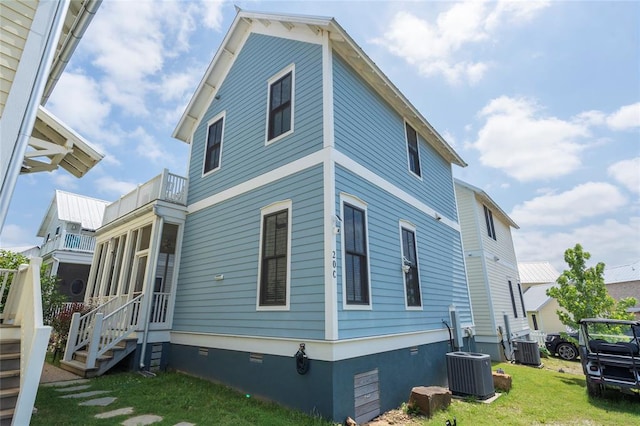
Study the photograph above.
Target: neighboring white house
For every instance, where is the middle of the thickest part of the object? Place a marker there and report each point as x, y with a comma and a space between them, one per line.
624, 281
536, 279
68, 230
492, 271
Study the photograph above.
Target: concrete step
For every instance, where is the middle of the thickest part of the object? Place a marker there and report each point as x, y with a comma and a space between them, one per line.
10, 379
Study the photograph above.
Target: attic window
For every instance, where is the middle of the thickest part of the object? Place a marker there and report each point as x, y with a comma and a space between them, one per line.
280, 105
213, 149
488, 217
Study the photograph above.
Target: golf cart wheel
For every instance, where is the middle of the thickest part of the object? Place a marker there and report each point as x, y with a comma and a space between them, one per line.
567, 351
594, 389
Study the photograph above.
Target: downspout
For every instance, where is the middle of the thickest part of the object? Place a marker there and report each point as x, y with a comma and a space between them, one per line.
28, 121
151, 284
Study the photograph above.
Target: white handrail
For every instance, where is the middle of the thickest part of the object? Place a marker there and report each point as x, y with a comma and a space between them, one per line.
24, 307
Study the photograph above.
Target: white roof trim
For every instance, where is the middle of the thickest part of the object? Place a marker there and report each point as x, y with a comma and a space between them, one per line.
487, 200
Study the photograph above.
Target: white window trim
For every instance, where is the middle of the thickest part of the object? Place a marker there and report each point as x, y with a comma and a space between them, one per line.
272, 208
292, 69
405, 224
222, 116
406, 145
356, 202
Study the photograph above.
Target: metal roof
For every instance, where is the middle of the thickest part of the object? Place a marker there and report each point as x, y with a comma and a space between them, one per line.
70, 207
622, 274
485, 199
537, 272
536, 297
341, 43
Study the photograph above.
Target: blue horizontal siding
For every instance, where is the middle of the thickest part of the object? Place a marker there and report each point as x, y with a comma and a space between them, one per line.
224, 239
370, 132
442, 275
243, 95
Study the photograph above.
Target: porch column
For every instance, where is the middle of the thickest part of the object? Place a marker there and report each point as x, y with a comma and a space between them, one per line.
150, 273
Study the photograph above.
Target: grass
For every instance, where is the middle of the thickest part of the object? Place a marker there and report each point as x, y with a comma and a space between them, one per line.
538, 396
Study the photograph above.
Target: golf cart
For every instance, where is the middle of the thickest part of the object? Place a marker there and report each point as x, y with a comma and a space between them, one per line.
610, 354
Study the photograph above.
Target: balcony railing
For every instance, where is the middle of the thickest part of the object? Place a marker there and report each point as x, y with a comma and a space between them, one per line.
166, 186
70, 242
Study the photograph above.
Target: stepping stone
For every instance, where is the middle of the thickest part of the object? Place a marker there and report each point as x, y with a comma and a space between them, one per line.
99, 402
145, 419
65, 383
185, 424
73, 388
84, 394
114, 413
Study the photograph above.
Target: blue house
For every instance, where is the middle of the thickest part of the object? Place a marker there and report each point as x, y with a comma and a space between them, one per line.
317, 259
321, 212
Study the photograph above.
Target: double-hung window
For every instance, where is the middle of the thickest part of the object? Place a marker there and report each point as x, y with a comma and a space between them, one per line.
410, 265
513, 300
275, 256
488, 217
280, 104
356, 258
213, 149
412, 150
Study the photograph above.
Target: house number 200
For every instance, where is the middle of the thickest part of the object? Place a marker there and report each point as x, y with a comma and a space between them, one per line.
334, 264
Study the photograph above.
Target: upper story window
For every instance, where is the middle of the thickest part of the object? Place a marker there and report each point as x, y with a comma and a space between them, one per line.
280, 104
356, 283
524, 309
410, 265
275, 256
513, 300
213, 148
488, 217
412, 150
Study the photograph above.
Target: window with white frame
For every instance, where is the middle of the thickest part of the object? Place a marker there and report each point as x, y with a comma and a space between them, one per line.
412, 150
213, 147
275, 256
356, 282
488, 217
410, 268
280, 104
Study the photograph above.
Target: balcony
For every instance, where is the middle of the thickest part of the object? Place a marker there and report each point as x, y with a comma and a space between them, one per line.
166, 187
69, 242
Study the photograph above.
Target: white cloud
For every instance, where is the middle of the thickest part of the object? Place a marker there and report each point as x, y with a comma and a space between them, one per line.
584, 201
627, 172
62, 179
627, 117
111, 186
148, 147
212, 13
612, 242
441, 47
517, 139
15, 236
77, 100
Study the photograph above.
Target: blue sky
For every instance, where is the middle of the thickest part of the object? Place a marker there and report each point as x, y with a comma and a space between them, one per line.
541, 99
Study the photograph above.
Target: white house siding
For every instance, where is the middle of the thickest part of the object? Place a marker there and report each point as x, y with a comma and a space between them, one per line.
243, 97
224, 240
469, 219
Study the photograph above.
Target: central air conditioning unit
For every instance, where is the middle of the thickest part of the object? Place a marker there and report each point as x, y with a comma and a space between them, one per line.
470, 374
527, 352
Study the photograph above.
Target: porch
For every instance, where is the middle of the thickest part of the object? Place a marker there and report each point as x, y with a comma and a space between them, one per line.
130, 289
68, 241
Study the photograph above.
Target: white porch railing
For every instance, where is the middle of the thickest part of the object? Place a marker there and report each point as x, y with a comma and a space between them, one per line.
5, 275
23, 307
166, 186
159, 308
101, 331
70, 242
539, 337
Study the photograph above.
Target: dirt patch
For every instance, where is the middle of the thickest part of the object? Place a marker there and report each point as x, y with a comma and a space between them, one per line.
562, 366
395, 417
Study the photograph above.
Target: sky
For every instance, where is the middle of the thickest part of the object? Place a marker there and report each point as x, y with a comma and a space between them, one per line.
541, 99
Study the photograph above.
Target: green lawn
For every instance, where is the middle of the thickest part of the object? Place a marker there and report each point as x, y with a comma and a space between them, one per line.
538, 396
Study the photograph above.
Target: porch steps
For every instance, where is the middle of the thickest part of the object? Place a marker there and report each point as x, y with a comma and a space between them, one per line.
78, 365
9, 375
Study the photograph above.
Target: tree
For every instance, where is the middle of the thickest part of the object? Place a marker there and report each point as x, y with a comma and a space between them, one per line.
581, 292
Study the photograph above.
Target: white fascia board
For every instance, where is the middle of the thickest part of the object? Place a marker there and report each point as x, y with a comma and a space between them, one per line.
486, 199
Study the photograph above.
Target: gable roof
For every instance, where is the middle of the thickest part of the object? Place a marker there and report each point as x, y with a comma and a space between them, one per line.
341, 42
537, 272
623, 273
536, 297
77, 208
488, 201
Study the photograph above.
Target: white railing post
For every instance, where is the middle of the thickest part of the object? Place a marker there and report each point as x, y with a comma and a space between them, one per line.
92, 353
163, 185
72, 337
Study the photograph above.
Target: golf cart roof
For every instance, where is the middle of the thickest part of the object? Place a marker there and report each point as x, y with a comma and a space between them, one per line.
609, 321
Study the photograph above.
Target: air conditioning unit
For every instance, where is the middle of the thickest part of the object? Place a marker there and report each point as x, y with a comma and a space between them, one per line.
469, 374
527, 352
